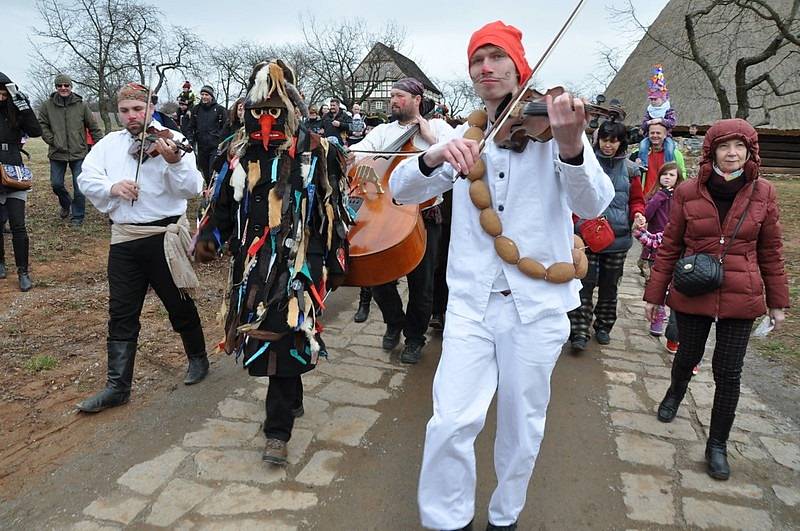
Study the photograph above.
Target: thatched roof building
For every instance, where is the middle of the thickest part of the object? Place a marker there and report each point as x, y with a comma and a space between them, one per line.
727, 34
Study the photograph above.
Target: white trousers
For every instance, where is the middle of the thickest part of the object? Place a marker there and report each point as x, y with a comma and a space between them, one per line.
478, 358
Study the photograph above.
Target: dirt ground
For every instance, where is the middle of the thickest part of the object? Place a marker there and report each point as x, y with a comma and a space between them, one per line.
61, 323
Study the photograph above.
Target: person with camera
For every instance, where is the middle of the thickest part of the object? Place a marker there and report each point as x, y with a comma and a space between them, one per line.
721, 261
16, 119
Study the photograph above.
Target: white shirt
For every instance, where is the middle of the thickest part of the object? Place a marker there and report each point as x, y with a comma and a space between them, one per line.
163, 187
384, 134
534, 194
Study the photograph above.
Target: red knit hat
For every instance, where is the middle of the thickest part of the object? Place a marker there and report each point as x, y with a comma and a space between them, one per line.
506, 37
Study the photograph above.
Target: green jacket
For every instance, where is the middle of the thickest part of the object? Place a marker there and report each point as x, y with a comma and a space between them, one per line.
64, 127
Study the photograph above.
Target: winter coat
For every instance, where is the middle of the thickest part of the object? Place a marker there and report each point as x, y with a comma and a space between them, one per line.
344, 122
316, 126
657, 214
207, 124
627, 202
754, 276
13, 124
64, 126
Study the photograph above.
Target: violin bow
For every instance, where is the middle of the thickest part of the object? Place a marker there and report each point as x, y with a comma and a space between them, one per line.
524, 84
144, 126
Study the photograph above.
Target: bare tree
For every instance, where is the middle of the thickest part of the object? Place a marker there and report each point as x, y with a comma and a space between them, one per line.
339, 59
104, 43
83, 36
459, 96
713, 40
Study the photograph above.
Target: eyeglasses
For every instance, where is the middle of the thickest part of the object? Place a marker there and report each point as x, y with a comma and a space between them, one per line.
63, 85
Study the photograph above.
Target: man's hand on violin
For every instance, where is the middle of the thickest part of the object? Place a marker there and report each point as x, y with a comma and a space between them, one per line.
126, 190
568, 124
461, 153
167, 149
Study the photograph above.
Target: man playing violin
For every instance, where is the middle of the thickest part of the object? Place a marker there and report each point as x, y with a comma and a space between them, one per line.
406, 103
149, 240
504, 330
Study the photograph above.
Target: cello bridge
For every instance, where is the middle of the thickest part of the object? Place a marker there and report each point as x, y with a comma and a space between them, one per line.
366, 175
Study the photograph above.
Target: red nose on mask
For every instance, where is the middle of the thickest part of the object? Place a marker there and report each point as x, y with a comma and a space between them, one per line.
266, 120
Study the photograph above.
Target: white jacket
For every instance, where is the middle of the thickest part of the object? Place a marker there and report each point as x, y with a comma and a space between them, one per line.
535, 194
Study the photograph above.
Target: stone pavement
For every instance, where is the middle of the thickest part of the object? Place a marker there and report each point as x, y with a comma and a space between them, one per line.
216, 480
666, 484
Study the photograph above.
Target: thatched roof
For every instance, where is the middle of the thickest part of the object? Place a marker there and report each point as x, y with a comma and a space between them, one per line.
691, 93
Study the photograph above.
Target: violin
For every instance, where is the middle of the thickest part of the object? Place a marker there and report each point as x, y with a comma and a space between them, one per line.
150, 138
528, 119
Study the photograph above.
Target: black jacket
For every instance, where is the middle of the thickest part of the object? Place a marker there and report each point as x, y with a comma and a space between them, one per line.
207, 123
14, 124
344, 121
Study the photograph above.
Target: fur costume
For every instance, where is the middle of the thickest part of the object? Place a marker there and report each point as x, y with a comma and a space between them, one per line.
280, 208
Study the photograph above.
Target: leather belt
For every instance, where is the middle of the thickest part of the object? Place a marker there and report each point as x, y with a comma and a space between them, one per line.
505, 292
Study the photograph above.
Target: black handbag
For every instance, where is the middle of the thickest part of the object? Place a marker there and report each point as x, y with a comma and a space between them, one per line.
703, 273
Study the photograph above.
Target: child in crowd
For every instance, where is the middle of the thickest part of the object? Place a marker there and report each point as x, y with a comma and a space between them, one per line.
657, 214
659, 110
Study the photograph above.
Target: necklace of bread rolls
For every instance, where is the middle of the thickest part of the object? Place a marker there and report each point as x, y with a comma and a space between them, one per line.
557, 273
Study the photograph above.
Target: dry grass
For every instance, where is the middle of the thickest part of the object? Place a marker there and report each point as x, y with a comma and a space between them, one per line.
785, 344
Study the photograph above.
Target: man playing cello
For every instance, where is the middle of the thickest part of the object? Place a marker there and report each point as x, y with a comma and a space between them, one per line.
504, 329
406, 103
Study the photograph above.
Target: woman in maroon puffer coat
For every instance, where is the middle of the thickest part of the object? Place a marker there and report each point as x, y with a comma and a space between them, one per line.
704, 213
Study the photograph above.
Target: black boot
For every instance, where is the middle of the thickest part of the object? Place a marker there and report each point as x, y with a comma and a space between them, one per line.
669, 406
364, 300
717, 446
120, 377
392, 337
194, 344
411, 353
3, 273
25, 283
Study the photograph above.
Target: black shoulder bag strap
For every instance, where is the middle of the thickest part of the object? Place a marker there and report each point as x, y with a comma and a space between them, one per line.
739, 224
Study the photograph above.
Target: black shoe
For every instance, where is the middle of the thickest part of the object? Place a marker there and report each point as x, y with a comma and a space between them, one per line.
298, 411
602, 337
120, 376
717, 460
197, 370
361, 314
392, 337
668, 407
437, 322
76, 223
194, 344
364, 300
25, 283
63, 213
275, 452
3, 272
716, 447
491, 527
411, 353
579, 344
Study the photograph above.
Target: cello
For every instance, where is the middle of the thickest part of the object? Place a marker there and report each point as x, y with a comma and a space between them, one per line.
388, 239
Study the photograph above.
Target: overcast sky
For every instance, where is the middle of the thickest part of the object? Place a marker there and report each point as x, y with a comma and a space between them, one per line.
437, 32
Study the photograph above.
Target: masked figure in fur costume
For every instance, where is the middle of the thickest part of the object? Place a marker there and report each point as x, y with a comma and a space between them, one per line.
278, 205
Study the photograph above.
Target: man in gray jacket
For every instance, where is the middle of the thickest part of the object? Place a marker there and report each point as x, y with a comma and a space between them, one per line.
65, 120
